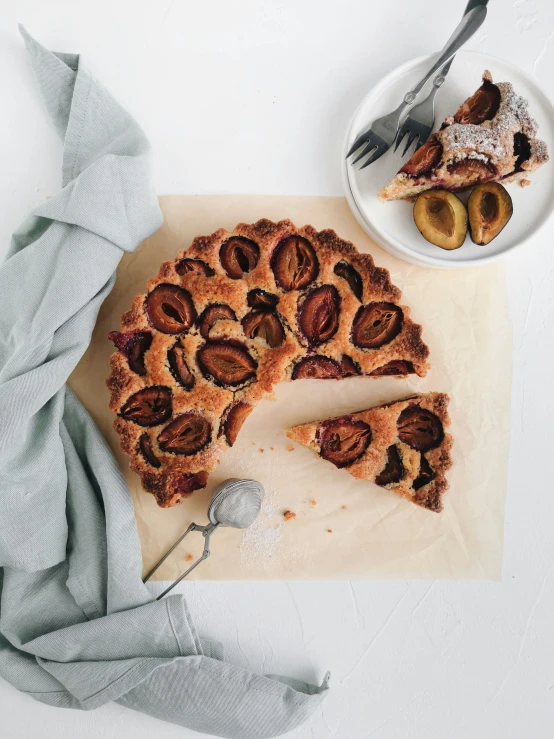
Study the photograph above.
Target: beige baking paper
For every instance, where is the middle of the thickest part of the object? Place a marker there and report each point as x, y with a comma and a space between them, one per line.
344, 529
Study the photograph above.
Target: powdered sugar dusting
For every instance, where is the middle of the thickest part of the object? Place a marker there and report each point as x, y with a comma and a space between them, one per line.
539, 150
261, 542
492, 139
461, 137
472, 155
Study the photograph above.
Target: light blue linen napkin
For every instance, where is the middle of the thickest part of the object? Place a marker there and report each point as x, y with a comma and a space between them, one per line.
77, 626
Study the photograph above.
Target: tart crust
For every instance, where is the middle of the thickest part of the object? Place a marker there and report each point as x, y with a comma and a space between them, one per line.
171, 476
384, 424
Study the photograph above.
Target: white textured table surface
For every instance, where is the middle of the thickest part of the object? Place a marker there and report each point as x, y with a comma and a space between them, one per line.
254, 96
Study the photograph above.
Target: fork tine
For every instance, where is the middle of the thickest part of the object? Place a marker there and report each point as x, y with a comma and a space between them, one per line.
399, 136
411, 140
356, 145
376, 154
365, 150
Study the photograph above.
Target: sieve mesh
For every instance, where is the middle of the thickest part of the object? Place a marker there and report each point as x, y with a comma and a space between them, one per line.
236, 503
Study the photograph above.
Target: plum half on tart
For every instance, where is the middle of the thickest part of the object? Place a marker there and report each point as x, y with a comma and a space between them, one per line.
492, 137
229, 318
400, 446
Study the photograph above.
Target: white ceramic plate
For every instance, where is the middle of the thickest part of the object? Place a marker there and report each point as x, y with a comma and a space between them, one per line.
391, 224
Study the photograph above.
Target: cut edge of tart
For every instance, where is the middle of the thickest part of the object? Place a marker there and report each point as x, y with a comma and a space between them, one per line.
401, 446
228, 319
491, 138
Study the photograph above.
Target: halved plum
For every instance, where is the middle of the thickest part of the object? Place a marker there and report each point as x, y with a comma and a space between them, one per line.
227, 362
294, 263
481, 106
187, 434
212, 314
424, 159
470, 172
343, 440
317, 367
148, 407
522, 150
426, 474
133, 345
441, 218
170, 309
393, 471
395, 367
318, 316
145, 447
376, 324
238, 256
177, 359
419, 428
490, 208
345, 270
266, 326
235, 416
349, 367
186, 484
261, 300
197, 266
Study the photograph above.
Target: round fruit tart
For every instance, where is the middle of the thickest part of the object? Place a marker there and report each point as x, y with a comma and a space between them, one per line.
232, 316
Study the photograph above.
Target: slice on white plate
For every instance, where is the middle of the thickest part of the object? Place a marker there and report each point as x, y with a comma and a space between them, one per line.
391, 224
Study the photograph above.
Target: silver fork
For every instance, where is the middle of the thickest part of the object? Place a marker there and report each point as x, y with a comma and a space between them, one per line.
420, 119
379, 137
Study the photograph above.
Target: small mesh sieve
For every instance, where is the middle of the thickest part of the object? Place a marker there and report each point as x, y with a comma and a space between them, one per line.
235, 503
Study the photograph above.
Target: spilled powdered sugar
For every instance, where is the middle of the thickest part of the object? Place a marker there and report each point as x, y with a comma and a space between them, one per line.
261, 542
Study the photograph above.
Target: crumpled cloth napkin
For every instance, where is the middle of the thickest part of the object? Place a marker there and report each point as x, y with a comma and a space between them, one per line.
77, 626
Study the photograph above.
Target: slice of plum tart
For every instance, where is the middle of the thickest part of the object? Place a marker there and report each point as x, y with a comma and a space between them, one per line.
402, 446
491, 138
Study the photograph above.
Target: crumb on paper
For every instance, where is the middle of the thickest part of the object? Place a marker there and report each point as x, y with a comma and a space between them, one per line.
272, 448
289, 515
262, 450
253, 443
329, 531
290, 448
524, 183
344, 507
313, 501
189, 558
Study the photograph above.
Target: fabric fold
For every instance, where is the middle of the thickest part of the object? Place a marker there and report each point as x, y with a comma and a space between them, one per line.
78, 628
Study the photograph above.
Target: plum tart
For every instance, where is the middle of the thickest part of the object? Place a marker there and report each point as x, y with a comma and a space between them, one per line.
229, 318
401, 446
492, 137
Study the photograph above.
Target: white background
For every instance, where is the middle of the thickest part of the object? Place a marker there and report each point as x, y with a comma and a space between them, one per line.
253, 96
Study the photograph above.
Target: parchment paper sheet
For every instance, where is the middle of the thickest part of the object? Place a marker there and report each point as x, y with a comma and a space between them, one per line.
344, 529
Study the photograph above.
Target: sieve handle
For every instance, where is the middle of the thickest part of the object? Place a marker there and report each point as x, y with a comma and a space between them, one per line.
206, 533
192, 527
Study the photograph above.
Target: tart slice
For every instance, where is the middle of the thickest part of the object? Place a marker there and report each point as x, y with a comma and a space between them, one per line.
400, 446
492, 137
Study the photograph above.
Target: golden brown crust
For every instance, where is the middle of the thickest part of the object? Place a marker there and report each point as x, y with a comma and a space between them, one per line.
382, 421
168, 481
